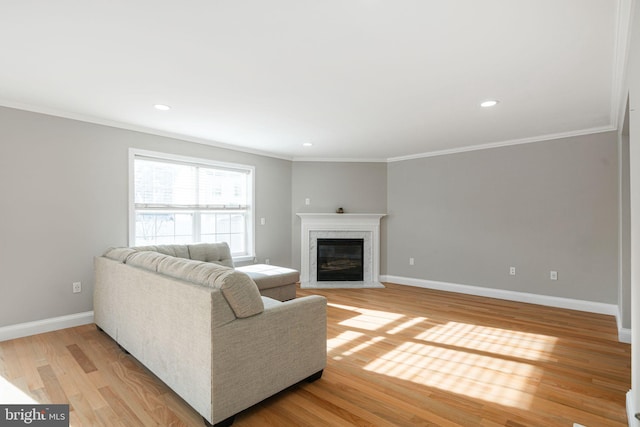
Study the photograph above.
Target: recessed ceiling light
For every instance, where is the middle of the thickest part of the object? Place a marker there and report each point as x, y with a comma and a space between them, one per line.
307, 144
489, 103
162, 107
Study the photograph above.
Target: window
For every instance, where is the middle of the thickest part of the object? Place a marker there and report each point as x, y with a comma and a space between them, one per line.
184, 200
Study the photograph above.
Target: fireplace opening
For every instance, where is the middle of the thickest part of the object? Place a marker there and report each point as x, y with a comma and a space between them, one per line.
340, 260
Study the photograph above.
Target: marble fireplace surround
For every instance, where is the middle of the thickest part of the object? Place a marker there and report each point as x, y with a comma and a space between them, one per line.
340, 226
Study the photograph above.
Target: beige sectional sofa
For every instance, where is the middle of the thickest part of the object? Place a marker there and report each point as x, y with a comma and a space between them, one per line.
205, 330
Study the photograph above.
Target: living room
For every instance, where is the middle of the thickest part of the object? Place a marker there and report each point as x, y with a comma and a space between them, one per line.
463, 217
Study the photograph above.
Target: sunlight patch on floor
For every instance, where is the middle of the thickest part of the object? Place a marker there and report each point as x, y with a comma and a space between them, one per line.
353, 350
371, 320
344, 339
12, 395
483, 377
522, 345
406, 325
487, 363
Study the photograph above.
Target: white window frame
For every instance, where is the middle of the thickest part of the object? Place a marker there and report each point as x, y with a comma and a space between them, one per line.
134, 152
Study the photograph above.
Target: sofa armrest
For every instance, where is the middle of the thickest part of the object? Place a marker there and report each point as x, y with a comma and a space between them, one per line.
259, 356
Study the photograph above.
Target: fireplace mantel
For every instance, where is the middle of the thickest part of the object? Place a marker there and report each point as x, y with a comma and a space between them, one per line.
347, 225
344, 217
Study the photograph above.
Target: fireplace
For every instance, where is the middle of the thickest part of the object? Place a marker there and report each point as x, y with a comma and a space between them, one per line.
340, 260
359, 226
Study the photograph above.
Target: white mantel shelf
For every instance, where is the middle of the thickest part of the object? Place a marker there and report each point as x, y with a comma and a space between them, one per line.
314, 223
342, 215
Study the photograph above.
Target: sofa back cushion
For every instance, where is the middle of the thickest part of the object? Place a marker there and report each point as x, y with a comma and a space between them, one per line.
148, 260
240, 291
207, 252
118, 254
180, 251
211, 252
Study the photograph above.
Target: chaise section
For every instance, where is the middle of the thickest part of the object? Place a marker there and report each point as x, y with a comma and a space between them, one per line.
273, 281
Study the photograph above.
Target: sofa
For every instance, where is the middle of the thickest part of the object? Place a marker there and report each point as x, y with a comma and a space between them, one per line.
204, 328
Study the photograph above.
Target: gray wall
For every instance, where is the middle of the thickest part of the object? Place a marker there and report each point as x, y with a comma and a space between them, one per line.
466, 218
356, 187
64, 188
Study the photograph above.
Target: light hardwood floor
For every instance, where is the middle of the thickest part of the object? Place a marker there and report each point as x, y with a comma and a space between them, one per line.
399, 356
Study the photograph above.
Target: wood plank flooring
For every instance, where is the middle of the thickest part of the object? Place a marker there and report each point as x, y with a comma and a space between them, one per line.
399, 356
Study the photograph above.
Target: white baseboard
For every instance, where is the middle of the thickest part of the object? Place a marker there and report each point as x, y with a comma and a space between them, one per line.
624, 335
631, 410
46, 325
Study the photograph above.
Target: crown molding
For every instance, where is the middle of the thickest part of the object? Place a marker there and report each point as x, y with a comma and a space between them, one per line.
187, 138
136, 128
542, 138
490, 145
339, 160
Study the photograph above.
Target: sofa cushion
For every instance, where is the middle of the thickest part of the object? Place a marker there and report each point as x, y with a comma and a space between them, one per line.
238, 289
180, 251
205, 272
193, 271
118, 254
241, 293
148, 260
269, 276
145, 248
211, 252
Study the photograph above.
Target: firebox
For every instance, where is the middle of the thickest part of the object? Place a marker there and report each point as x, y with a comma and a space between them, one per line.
340, 260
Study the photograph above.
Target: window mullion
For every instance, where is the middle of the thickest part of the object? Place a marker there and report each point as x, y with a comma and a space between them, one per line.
197, 226
197, 223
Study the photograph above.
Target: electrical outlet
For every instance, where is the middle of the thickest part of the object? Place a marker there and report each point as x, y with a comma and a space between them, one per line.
553, 275
307, 201
263, 221
77, 287
512, 271
267, 261
412, 261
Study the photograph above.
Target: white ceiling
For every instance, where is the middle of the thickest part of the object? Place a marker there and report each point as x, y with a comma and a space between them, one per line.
360, 79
